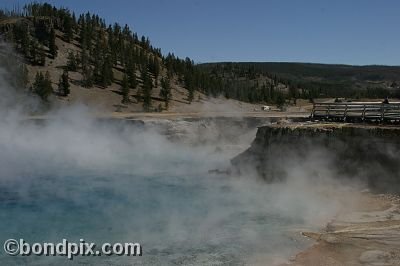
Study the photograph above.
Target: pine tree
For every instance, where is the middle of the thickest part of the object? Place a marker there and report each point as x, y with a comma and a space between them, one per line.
155, 69
97, 71
87, 77
165, 92
280, 100
34, 47
146, 88
47, 81
41, 56
83, 38
22, 34
130, 69
63, 84
38, 83
189, 86
72, 65
125, 89
84, 60
87, 72
132, 80
42, 85
68, 28
106, 73
52, 43
191, 95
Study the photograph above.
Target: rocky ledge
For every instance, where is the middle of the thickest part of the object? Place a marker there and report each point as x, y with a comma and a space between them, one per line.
366, 153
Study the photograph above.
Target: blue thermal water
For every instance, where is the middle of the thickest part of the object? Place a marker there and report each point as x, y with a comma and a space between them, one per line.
185, 219
101, 188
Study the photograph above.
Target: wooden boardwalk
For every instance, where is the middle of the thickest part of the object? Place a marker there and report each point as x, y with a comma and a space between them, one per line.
357, 112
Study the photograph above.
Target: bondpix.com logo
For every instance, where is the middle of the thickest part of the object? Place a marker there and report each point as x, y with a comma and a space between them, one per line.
20, 247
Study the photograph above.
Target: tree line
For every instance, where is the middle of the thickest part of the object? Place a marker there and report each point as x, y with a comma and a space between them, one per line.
283, 82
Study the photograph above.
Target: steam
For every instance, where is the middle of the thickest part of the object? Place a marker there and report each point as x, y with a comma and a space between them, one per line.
74, 176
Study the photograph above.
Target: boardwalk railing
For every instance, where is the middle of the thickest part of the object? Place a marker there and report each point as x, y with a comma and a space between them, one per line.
357, 112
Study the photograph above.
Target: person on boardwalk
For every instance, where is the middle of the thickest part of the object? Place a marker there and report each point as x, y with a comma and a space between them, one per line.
386, 100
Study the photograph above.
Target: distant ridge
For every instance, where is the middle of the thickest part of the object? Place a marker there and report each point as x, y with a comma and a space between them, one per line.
318, 79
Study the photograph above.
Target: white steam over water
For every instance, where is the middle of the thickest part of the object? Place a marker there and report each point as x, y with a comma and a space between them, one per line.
74, 177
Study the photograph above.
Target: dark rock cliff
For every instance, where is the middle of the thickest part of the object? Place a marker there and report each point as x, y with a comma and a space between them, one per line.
370, 154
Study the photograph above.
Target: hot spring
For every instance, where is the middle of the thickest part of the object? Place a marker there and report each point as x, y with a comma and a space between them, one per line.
72, 177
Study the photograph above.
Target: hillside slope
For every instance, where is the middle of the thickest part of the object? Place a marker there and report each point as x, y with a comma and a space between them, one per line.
105, 98
106, 66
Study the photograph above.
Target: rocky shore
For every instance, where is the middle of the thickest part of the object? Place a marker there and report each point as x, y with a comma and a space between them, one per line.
367, 235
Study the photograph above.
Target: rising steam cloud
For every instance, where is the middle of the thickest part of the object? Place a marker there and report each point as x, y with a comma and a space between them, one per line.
72, 175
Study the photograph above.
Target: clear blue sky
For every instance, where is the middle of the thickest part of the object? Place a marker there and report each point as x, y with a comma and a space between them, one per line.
324, 31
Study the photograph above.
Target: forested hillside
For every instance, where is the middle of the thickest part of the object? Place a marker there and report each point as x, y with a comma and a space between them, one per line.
60, 47
305, 80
